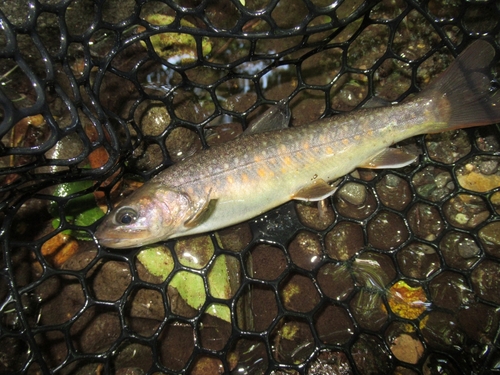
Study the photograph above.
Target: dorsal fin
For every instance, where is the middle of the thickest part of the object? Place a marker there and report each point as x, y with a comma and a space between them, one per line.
376, 102
275, 118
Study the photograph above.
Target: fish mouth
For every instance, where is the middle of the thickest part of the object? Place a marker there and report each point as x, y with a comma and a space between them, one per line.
110, 242
119, 243
117, 239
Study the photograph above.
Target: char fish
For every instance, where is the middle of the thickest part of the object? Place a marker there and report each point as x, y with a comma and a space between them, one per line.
260, 170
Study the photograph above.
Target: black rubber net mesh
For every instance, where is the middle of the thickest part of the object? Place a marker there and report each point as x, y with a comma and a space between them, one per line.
396, 273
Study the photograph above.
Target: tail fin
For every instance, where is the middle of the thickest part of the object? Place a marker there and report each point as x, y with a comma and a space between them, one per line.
467, 87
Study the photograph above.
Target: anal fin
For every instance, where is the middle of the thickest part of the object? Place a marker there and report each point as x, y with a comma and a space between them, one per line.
389, 158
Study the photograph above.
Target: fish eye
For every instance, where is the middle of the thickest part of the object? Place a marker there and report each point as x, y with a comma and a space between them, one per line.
126, 216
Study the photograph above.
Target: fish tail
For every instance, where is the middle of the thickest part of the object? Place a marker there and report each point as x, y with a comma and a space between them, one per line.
466, 89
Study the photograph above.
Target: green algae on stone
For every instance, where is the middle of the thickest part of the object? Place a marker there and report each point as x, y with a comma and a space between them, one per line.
157, 260
174, 45
194, 253
190, 287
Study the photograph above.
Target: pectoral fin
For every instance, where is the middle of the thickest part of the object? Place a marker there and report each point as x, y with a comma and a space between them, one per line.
201, 212
317, 190
389, 158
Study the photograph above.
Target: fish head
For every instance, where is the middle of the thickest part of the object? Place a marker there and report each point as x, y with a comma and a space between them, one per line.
150, 214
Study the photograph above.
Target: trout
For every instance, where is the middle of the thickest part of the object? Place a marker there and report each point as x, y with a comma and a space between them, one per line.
262, 169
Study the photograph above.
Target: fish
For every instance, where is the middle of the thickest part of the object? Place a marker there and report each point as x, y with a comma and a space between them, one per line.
264, 168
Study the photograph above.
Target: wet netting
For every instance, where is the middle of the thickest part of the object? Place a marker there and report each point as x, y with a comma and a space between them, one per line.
396, 273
